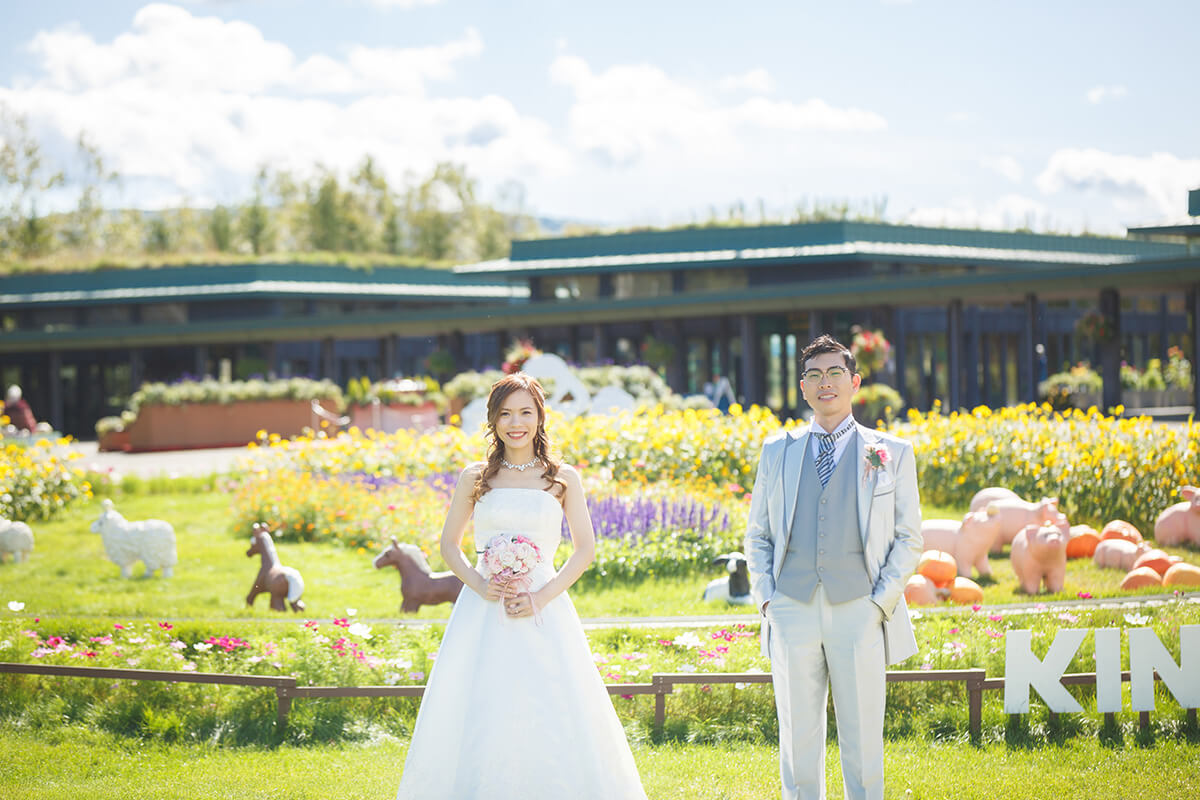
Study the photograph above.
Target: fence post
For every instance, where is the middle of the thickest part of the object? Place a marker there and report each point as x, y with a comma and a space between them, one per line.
661, 688
284, 699
975, 702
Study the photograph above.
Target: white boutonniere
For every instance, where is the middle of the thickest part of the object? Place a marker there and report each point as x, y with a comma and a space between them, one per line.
876, 456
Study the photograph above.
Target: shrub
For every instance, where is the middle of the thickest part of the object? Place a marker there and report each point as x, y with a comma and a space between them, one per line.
213, 391
37, 480
877, 402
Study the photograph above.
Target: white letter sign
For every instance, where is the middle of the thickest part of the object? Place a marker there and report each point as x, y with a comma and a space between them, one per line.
1023, 669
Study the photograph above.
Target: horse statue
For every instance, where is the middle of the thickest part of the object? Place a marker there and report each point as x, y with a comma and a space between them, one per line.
283, 583
418, 584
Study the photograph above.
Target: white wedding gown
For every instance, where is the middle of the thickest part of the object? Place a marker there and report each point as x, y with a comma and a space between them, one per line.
514, 709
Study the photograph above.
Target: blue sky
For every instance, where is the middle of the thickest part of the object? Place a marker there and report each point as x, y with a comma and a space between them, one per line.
1069, 115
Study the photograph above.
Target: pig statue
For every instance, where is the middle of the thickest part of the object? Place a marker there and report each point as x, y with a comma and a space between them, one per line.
968, 541
1118, 553
991, 494
1012, 516
1179, 524
1039, 553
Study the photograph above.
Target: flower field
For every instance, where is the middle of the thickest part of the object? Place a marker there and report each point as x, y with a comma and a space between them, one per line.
347, 652
1100, 467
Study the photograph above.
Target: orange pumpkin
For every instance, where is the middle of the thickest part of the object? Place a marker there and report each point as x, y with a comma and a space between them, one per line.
920, 591
1120, 529
965, 592
1083, 541
1156, 560
1140, 578
1181, 574
938, 566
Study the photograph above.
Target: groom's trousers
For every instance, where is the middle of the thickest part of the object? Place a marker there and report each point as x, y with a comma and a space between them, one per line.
814, 645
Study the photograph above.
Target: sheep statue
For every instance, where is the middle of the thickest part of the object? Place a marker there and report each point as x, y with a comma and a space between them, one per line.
282, 583
734, 587
419, 585
151, 541
15, 538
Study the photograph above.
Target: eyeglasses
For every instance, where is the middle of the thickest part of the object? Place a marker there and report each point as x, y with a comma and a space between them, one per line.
833, 374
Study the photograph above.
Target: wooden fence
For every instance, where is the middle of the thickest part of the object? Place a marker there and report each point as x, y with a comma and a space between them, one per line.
661, 685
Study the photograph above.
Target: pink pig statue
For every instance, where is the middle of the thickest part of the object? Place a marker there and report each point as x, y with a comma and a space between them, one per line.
968, 541
1180, 524
1118, 553
1039, 553
1011, 516
991, 494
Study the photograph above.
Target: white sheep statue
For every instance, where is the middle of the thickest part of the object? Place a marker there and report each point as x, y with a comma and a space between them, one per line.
15, 538
734, 587
151, 541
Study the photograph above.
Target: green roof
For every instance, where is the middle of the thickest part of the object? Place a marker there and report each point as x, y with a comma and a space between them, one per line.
819, 241
203, 282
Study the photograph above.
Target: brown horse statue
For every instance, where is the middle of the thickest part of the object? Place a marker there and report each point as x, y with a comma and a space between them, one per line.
419, 586
282, 583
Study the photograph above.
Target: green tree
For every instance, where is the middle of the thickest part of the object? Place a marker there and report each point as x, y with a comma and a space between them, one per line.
85, 230
24, 176
159, 236
254, 219
220, 229
325, 220
436, 209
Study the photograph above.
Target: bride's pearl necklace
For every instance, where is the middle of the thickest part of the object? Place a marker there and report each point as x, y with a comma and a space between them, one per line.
519, 467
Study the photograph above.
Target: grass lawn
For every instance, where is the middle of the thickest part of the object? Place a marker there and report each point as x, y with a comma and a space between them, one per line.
72, 763
68, 574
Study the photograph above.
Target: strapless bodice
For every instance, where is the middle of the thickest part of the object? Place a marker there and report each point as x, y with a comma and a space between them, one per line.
532, 512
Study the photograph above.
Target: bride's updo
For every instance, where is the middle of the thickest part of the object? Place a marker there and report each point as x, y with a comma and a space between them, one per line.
501, 389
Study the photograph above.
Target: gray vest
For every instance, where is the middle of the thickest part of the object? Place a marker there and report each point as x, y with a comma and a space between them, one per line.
826, 545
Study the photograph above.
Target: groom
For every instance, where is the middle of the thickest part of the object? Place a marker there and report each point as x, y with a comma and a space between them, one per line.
834, 534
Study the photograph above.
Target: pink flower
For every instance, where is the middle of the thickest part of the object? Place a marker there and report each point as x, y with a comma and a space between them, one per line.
1084, 595
342, 622
954, 630
166, 626
54, 641
118, 626
976, 607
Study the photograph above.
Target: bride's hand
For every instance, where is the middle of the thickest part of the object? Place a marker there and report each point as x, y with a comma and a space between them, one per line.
497, 591
520, 606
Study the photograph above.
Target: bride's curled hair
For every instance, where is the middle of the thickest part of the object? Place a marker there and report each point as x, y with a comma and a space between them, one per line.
501, 390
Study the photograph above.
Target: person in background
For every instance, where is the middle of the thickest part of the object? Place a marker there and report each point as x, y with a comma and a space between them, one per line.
19, 414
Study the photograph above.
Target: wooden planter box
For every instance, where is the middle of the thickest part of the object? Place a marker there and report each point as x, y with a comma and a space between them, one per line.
201, 425
391, 418
113, 441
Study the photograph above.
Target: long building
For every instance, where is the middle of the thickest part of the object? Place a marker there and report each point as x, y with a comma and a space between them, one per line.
975, 317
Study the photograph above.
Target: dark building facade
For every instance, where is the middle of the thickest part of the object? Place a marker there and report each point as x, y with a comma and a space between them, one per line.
975, 317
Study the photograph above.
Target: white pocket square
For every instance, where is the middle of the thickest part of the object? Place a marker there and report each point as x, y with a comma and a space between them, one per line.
884, 478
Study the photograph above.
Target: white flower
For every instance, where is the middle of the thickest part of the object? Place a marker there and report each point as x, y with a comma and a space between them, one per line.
688, 639
4, 645
16, 605
360, 629
350, 612
688, 668
202, 647
401, 663
1137, 619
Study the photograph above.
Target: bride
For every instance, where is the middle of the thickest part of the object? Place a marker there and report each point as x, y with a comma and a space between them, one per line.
514, 706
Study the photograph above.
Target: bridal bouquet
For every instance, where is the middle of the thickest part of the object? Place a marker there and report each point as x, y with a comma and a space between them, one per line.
509, 559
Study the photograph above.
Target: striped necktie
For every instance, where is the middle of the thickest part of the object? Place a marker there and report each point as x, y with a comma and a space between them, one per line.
825, 443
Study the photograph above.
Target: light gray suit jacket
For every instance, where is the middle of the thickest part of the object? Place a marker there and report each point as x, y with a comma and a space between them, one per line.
889, 517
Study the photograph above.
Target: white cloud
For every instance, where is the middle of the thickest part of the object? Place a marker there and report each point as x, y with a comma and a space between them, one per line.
1006, 166
1155, 184
632, 111
757, 80
1098, 94
192, 105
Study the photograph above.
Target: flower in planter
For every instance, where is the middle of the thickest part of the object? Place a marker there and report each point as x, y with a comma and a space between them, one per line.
521, 351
